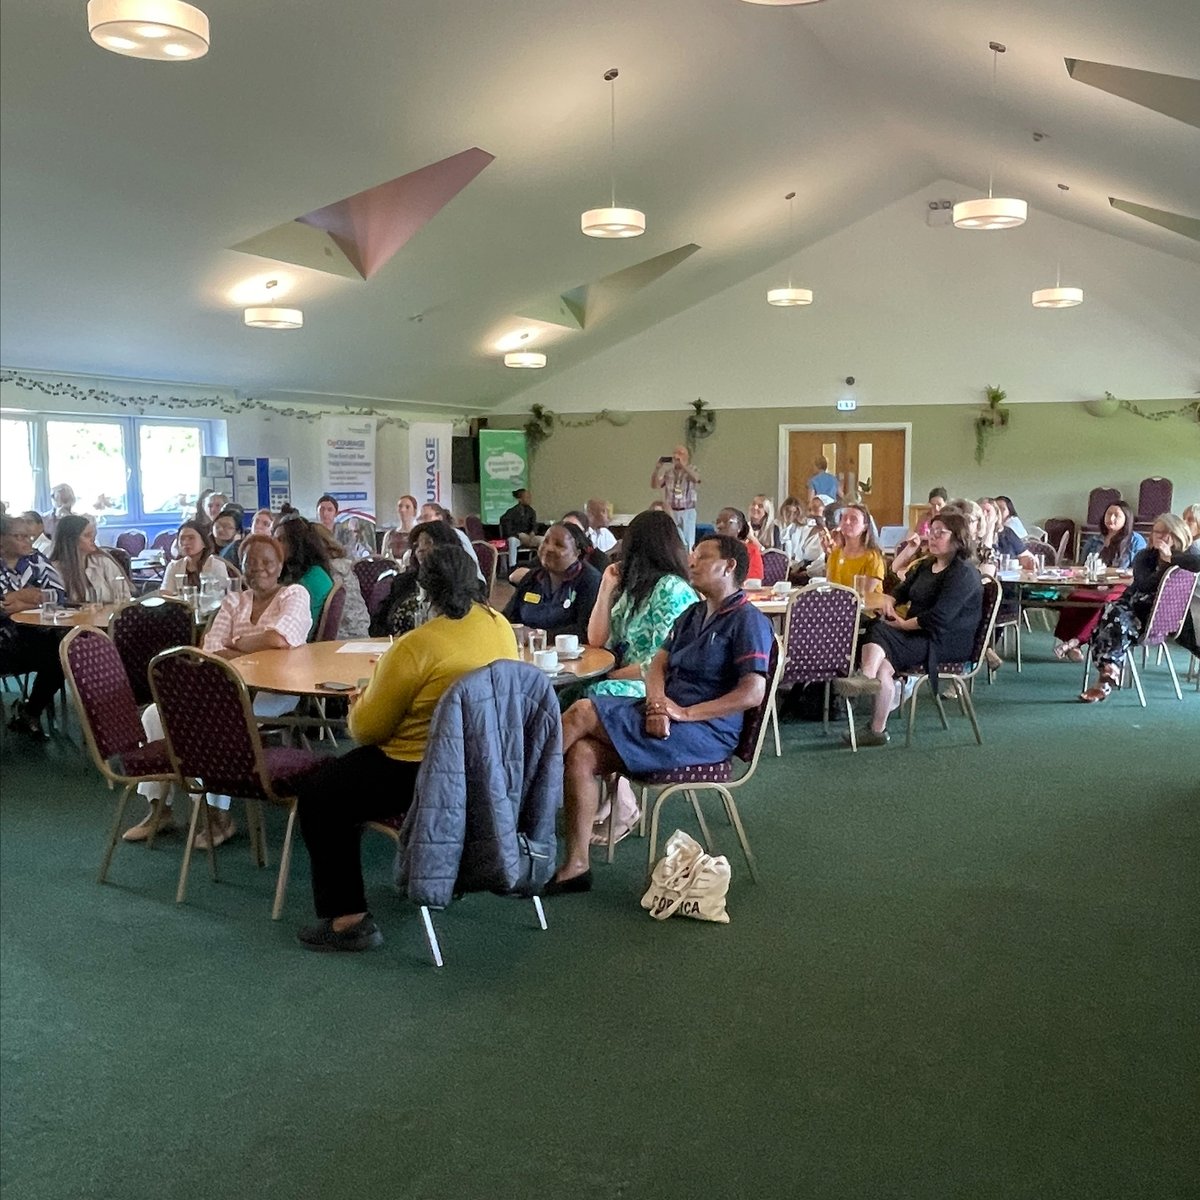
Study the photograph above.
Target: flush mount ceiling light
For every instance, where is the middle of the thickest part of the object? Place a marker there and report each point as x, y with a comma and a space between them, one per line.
163, 30
274, 318
528, 359
613, 222
789, 297
991, 212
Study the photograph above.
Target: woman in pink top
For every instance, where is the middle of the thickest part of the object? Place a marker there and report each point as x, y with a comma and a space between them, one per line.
265, 616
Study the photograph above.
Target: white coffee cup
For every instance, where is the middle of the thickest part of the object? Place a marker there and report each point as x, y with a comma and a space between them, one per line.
567, 643
752, 585
546, 660
782, 588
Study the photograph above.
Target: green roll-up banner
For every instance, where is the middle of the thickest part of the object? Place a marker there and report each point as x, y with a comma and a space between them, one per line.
503, 468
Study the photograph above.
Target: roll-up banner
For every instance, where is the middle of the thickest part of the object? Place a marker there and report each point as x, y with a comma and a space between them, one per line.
348, 463
503, 469
429, 462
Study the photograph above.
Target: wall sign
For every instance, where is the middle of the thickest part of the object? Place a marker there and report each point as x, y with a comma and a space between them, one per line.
503, 469
348, 463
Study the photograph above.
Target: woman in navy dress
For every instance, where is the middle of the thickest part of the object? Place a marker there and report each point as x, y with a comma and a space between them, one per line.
558, 595
711, 669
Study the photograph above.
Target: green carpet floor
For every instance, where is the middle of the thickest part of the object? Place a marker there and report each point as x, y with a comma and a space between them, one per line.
968, 972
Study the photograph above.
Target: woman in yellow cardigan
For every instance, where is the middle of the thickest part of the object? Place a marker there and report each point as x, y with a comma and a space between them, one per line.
858, 552
390, 722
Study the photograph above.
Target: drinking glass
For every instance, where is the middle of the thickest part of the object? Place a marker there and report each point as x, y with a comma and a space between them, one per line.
537, 640
191, 596
520, 633
49, 604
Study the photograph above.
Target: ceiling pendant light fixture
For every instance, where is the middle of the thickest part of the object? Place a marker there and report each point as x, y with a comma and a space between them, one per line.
274, 318
163, 30
528, 359
782, 3
1057, 296
612, 222
991, 212
789, 297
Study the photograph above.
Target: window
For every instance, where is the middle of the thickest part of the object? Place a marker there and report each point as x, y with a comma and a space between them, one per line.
126, 471
18, 486
90, 456
170, 466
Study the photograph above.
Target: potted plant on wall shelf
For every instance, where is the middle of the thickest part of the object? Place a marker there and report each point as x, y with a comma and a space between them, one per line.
538, 428
993, 416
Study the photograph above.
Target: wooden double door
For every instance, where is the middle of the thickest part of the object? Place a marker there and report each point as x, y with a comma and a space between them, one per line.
868, 463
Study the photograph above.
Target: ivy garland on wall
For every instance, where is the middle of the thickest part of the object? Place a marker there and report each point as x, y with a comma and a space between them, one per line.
211, 404
542, 422
1110, 405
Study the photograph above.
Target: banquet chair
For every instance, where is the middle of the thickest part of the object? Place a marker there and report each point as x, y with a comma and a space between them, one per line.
132, 541
112, 728
1060, 533
1155, 495
122, 558
1166, 620
718, 777
326, 628
1099, 499
820, 639
368, 570
145, 628
380, 590
164, 541
214, 746
960, 674
485, 552
473, 528
775, 567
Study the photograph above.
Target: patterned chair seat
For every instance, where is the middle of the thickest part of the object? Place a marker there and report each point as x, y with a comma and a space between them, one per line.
721, 772
287, 766
150, 759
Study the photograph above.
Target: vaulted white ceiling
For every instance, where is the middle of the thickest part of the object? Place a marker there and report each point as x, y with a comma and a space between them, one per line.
125, 182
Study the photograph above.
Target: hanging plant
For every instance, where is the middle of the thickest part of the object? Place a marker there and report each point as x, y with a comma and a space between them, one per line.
538, 428
700, 424
993, 416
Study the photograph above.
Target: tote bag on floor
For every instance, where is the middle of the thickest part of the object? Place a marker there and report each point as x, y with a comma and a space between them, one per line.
688, 882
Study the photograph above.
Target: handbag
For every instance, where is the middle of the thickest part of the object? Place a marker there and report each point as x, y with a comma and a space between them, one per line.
688, 882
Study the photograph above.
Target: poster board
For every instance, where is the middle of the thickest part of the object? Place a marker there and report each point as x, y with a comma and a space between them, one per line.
503, 469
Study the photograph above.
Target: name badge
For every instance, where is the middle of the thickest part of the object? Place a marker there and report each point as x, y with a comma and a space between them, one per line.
532, 598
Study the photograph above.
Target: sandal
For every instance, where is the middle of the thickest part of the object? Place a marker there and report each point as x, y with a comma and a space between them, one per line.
1104, 687
1062, 649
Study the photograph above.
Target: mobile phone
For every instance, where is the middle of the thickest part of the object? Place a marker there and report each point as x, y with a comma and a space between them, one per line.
666, 458
336, 687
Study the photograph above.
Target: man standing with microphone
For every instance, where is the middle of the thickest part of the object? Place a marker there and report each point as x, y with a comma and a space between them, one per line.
678, 481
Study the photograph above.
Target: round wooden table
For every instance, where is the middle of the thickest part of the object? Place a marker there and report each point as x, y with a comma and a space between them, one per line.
97, 617
302, 671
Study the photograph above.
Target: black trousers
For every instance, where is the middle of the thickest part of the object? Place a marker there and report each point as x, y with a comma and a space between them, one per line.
334, 804
33, 650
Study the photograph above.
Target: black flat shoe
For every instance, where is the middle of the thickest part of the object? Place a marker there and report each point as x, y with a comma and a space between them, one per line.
25, 723
322, 936
562, 887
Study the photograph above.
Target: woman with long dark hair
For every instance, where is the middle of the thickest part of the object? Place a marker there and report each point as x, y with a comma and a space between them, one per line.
390, 721
1116, 548
199, 560
307, 563
407, 606
91, 574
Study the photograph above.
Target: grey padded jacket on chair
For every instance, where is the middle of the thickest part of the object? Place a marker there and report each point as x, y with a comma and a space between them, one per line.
489, 789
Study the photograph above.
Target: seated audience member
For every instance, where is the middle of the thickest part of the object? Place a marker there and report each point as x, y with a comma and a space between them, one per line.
390, 721
201, 513
266, 615
806, 541
938, 498
62, 504
306, 562
1189, 635
406, 514
594, 556
1009, 519
199, 560
356, 535
215, 503
1116, 547
327, 511
855, 552
518, 525
793, 528
914, 548
263, 521
763, 527
435, 512
603, 538
355, 619
407, 606
944, 598
24, 573
823, 483
227, 533
731, 522
396, 545
559, 593
997, 540
37, 530
1191, 518
1120, 625
710, 670
90, 573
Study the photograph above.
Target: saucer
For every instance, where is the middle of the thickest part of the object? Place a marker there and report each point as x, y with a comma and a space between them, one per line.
570, 656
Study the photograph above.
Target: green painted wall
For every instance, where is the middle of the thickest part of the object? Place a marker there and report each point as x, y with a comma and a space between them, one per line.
1047, 460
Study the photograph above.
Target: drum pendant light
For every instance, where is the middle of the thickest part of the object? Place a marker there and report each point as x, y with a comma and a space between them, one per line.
991, 212
789, 297
528, 359
1057, 296
274, 318
163, 30
613, 222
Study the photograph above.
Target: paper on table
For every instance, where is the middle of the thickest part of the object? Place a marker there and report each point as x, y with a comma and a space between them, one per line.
362, 648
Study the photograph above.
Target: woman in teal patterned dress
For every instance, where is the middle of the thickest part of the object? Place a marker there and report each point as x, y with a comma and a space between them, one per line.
640, 599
